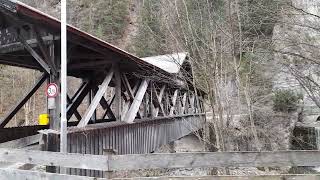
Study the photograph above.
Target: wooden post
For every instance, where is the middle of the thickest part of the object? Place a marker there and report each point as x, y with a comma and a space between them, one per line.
145, 102
43, 141
109, 153
184, 99
151, 101
90, 97
191, 99
118, 97
54, 113
52, 139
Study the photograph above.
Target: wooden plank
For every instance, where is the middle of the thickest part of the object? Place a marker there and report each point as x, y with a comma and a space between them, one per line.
134, 108
17, 46
14, 174
22, 142
102, 89
19, 105
262, 177
216, 159
80, 161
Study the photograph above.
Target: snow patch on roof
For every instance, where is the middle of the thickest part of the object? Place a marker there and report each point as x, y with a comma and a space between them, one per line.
170, 63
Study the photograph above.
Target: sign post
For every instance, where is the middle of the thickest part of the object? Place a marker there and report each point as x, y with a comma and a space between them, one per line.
63, 130
52, 92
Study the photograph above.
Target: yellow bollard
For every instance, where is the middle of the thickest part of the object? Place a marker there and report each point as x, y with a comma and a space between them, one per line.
43, 119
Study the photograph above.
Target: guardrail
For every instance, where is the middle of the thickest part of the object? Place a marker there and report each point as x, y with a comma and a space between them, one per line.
157, 161
10, 174
109, 163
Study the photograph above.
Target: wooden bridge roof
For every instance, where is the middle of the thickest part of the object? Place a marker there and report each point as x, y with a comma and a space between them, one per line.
86, 54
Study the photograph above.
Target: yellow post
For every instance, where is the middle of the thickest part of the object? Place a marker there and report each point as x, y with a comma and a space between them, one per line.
43, 119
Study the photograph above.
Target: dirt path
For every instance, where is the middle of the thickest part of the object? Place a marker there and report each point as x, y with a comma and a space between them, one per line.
131, 29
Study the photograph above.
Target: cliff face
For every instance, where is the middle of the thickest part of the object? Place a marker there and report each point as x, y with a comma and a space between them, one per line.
296, 42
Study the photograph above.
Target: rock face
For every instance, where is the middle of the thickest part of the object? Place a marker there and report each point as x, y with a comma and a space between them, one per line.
296, 42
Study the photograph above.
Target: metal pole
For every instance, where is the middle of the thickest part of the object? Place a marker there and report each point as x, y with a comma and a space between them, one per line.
63, 130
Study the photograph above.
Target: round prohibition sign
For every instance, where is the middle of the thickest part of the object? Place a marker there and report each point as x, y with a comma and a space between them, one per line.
52, 90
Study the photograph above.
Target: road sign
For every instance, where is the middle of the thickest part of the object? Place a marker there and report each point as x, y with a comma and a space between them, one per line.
52, 90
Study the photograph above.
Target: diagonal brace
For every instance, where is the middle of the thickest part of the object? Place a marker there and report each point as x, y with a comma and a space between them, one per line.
159, 101
102, 89
106, 106
34, 54
174, 102
43, 49
134, 108
76, 113
78, 98
18, 106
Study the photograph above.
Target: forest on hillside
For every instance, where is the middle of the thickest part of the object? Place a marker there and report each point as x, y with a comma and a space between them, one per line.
257, 60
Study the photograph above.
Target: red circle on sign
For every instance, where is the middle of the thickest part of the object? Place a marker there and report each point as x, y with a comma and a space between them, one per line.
52, 90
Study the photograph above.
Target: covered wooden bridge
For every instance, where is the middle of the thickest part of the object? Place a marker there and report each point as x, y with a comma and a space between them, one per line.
136, 105
146, 102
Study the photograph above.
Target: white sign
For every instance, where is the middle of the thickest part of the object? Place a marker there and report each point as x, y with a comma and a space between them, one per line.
51, 103
52, 90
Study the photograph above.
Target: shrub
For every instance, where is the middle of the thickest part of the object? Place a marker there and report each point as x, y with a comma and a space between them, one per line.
286, 100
